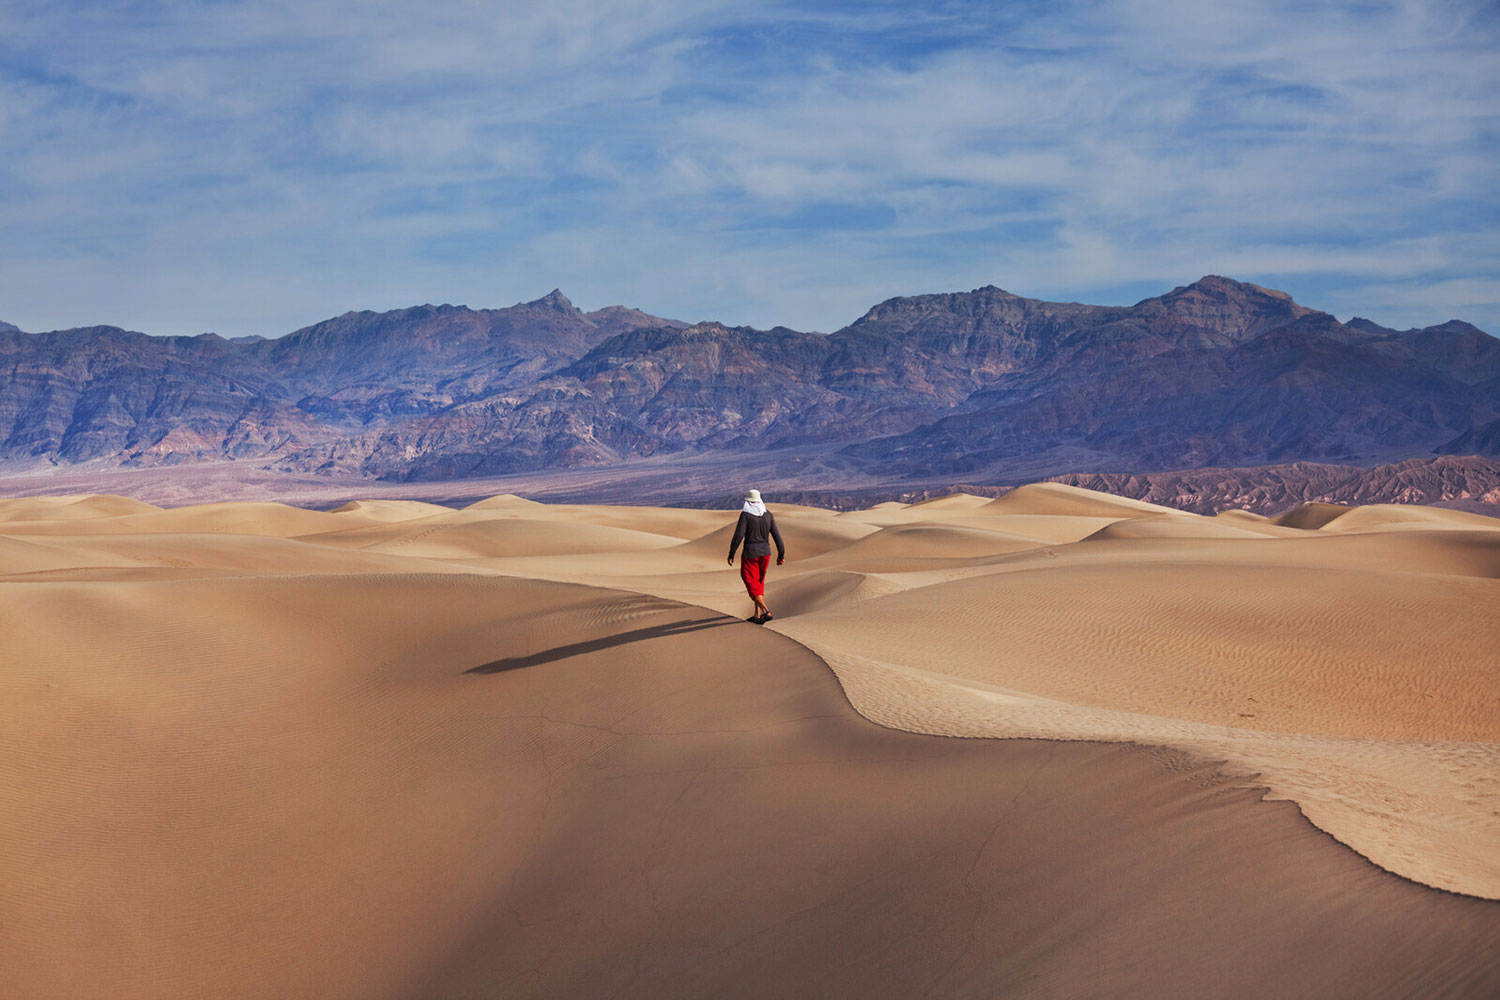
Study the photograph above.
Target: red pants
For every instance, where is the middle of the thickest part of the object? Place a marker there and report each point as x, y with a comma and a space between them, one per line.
753, 572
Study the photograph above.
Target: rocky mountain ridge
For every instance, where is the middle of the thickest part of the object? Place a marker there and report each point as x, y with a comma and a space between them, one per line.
1465, 483
967, 385
122, 397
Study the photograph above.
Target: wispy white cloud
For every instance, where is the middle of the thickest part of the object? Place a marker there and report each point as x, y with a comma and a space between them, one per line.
253, 166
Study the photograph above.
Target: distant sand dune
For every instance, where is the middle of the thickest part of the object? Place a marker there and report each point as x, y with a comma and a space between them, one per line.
271, 519
1311, 515
391, 510
954, 502
1174, 527
69, 508
1059, 500
1384, 516
524, 750
910, 543
512, 536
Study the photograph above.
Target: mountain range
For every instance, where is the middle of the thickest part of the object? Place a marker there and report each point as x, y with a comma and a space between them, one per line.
971, 386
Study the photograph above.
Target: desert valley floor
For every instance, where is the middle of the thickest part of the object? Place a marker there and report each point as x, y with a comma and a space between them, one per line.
1057, 744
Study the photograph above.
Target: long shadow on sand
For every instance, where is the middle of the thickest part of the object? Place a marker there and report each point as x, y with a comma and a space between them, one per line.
594, 645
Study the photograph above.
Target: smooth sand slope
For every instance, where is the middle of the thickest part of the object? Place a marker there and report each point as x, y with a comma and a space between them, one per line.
529, 751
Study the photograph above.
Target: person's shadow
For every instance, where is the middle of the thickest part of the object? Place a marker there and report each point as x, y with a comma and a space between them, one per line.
605, 642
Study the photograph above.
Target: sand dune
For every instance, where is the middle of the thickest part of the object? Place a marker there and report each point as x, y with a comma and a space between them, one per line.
391, 510
18, 555
269, 519
1257, 523
1321, 652
1175, 527
683, 524
913, 544
438, 538
1311, 515
504, 501
1382, 516
523, 750
1057, 499
69, 508
954, 502
194, 554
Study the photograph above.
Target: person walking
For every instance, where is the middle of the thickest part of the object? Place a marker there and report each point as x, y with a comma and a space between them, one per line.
756, 528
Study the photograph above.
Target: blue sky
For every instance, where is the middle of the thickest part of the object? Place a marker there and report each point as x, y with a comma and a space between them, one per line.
256, 167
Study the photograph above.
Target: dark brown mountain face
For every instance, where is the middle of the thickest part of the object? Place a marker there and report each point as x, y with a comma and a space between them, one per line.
972, 386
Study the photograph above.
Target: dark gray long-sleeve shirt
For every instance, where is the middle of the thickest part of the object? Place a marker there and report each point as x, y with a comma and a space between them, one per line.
756, 532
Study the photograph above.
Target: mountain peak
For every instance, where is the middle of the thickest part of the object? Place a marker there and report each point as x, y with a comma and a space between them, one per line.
1217, 284
1457, 326
978, 299
1236, 309
554, 299
1369, 326
708, 327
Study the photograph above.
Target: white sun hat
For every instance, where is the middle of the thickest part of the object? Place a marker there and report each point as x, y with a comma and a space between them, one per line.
753, 496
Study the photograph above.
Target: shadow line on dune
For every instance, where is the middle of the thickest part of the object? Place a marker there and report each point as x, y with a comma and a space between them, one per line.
604, 642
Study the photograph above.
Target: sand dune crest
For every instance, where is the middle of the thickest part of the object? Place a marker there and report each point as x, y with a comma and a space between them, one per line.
1058, 499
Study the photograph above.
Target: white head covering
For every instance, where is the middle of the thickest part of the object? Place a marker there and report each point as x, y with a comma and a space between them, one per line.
753, 505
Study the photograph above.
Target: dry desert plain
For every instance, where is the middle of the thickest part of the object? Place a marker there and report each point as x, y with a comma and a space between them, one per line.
1058, 744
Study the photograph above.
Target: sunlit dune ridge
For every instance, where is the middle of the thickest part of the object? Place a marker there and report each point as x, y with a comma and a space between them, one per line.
463, 729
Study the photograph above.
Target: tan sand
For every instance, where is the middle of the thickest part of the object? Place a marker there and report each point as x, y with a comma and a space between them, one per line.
1234, 514
1311, 515
271, 519
1176, 527
391, 510
1176, 621
392, 751
1384, 516
69, 508
1057, 499
954, 502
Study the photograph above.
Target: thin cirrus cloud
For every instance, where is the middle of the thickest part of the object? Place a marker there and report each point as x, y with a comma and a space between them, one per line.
253, 167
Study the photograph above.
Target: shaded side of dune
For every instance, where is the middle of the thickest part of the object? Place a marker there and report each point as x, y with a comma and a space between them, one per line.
450, 786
